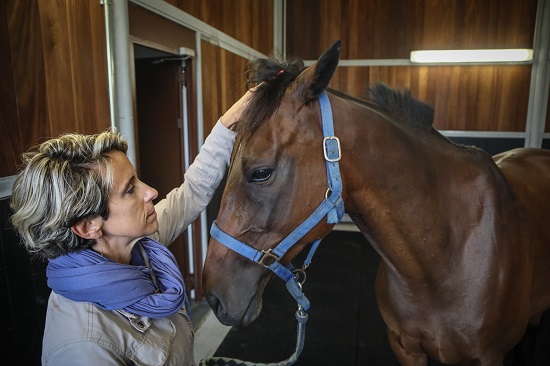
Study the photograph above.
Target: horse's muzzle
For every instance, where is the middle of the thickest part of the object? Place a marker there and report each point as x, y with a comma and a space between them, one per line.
220, 309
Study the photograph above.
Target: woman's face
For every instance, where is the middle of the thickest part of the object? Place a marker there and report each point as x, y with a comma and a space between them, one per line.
131, 210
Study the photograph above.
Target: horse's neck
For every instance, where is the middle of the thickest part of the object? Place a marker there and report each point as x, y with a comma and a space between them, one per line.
399, 188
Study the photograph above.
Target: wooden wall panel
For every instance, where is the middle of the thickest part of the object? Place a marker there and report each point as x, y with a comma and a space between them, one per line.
9, 129
74, 68
58, 56
89, 66
249, 21
30, 122
391, 29
54, 21
222, 82
474, 98
479, 98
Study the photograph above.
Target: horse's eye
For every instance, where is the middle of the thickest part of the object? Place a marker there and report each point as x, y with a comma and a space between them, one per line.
261, 175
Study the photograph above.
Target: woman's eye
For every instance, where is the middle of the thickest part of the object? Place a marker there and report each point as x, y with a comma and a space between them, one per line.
261, 175
131, 190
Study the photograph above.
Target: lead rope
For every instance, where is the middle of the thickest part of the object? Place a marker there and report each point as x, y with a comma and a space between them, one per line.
301, 317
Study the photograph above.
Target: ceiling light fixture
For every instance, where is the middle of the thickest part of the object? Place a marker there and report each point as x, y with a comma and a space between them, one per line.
472, 56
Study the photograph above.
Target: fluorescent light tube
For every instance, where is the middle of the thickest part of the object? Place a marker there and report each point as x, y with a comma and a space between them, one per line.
473, 56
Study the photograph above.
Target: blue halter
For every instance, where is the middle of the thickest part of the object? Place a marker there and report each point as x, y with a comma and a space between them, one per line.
332, 207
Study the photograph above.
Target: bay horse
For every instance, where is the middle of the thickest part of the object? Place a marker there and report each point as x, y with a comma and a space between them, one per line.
464, 238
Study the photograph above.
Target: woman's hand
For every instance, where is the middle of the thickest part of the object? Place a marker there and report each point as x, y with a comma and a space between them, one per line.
232, 115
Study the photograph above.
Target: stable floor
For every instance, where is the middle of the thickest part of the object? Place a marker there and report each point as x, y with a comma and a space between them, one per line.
344, 325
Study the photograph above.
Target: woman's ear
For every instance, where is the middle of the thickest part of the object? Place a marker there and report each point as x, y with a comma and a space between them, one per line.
88, 228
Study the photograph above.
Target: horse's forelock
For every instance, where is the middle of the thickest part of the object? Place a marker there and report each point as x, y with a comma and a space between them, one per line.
276, 77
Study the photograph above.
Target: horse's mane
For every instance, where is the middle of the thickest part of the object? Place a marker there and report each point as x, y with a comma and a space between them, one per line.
275, 76
401, 106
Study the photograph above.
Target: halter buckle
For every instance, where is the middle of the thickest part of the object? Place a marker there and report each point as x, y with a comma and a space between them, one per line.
269, 255
326, 148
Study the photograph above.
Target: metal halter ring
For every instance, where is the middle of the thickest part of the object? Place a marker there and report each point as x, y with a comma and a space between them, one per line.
300, 276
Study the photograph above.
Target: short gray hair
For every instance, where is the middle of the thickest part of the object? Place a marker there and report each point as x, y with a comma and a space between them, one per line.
61, 182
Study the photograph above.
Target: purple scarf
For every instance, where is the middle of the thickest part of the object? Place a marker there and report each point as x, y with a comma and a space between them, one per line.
87, 276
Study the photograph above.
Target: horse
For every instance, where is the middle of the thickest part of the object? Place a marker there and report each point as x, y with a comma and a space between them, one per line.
464, 237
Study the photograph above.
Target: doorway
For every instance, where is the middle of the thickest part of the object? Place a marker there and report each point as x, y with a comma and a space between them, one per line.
162, 136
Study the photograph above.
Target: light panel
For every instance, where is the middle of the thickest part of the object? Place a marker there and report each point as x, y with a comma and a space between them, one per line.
472, 56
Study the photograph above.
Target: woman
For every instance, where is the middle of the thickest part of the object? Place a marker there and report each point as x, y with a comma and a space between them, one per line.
118, 297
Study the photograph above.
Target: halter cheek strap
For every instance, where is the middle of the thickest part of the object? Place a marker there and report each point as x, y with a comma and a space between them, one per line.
332, 207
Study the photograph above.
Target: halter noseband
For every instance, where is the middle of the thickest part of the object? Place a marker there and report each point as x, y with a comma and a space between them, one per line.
332, 207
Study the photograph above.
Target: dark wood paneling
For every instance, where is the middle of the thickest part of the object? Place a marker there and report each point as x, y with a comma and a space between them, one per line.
391, 29
99, 72
476, 98
55, 67
249, 21
71, 49
87, 50
25, 36
56, 45
480, 98
9, 127
222, 82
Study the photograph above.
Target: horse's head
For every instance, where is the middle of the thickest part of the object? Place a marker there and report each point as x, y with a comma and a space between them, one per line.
276, 179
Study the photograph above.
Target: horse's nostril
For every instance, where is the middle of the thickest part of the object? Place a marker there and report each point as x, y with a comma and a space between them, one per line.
220, 310
215, 304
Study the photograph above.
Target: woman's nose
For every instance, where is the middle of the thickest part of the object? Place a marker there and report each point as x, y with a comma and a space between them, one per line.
150, 194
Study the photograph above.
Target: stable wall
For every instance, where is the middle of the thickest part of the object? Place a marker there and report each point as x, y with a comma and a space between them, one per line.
473, 98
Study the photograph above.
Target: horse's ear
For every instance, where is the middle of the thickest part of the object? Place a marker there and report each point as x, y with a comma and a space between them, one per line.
313, 80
